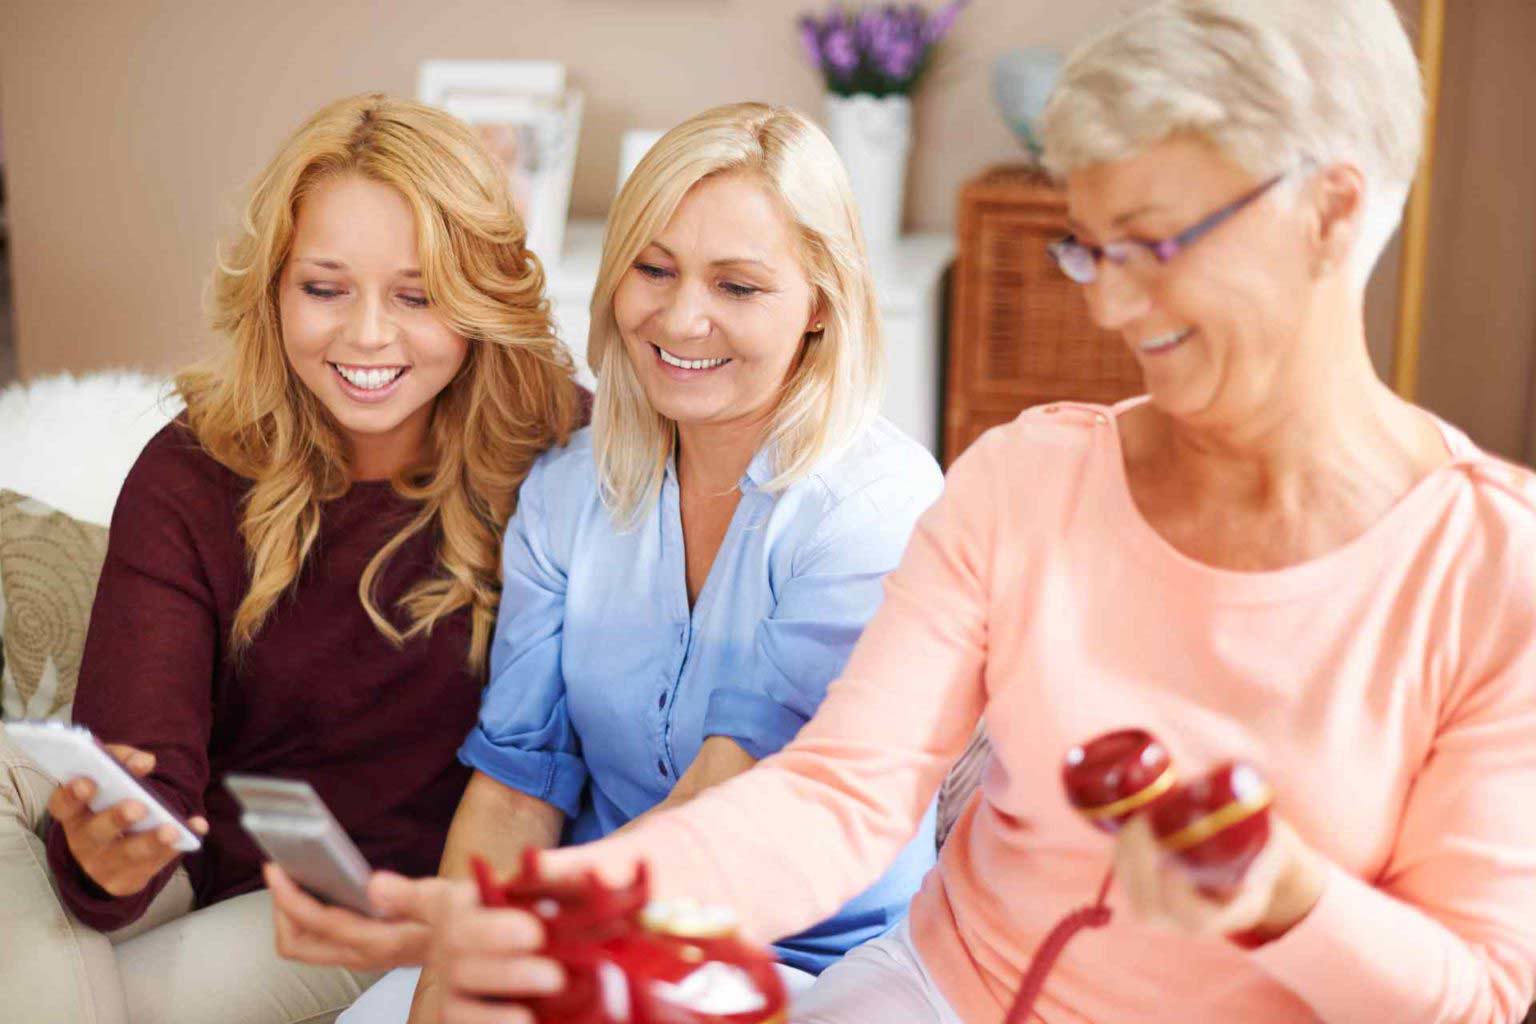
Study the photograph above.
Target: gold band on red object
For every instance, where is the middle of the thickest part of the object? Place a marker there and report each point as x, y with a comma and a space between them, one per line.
1137, 800
1225, 816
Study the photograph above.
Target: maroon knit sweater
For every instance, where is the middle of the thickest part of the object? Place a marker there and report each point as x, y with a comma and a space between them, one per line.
319, 695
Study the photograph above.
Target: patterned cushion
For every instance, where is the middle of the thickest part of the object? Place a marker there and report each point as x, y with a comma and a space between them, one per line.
961, 782
49, 563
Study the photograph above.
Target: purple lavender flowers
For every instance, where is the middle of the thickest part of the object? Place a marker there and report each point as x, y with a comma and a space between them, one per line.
878, 50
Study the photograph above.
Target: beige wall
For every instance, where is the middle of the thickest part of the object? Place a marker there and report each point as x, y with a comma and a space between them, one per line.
130, 126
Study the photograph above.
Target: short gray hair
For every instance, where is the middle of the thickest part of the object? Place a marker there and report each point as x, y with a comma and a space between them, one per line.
1271, 83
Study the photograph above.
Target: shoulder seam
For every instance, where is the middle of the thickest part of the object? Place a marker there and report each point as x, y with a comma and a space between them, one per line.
1507, 477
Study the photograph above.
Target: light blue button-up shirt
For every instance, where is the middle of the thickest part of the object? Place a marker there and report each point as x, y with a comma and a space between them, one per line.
604, 683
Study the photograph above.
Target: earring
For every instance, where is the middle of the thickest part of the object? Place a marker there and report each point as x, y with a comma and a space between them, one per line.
816, 327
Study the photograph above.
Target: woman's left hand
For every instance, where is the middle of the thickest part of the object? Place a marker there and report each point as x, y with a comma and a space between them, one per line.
1281, 886
315, 933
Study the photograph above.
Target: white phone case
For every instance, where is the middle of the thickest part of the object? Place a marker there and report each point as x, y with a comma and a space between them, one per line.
293, 826
70, 751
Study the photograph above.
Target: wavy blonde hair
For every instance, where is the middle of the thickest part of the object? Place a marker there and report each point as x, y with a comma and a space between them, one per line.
514, 397
833, 391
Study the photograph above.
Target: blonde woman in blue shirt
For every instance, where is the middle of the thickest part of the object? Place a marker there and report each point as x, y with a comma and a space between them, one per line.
683, 580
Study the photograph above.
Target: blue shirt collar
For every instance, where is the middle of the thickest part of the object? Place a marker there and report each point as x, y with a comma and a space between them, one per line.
759, 470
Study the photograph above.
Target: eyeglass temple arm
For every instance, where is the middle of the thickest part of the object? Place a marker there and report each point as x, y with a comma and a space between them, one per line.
1194, 232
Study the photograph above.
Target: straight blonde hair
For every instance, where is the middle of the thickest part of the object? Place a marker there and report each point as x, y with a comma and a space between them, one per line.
514, 397
833, 391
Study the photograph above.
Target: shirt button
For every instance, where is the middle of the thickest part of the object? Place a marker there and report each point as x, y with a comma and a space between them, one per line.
661, 766
661, 701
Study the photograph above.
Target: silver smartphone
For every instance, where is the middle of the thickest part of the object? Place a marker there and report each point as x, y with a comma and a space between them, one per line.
293, 826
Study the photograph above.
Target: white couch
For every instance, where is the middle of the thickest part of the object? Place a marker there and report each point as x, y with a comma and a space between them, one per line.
70, 441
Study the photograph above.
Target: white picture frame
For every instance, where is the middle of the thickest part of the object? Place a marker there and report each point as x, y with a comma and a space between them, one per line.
437, 80
532, 124
633, 145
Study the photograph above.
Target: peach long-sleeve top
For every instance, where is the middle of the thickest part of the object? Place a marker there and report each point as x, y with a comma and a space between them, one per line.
1387, 690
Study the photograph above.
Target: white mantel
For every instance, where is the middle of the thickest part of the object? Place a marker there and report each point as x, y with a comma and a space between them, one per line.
907, 283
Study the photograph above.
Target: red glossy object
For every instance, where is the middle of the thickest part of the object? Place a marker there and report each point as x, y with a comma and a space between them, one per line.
1112, 777
1215, 825
628, 961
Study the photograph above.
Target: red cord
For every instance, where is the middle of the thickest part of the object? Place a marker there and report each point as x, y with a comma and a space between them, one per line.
1096, 915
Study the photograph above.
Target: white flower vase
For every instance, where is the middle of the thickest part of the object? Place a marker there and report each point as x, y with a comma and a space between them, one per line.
873, 135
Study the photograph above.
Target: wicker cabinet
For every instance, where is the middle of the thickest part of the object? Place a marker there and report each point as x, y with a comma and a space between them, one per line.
1019, 331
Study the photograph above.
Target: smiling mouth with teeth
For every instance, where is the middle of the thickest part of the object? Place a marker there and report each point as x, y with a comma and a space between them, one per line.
687, 364
369, 378
1164, 342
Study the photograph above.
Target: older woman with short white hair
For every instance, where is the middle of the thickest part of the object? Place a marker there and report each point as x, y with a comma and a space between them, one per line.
1270, 557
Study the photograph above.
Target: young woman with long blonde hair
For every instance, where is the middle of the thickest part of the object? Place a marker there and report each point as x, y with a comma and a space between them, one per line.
302, 577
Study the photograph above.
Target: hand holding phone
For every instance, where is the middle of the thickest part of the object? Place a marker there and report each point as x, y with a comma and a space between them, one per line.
400, 935
117, 831
293, 826
313, 860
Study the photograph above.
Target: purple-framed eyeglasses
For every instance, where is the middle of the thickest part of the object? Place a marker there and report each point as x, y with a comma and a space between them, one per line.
1080, 261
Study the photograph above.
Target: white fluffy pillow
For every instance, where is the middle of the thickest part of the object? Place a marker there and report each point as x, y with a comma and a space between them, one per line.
70, 441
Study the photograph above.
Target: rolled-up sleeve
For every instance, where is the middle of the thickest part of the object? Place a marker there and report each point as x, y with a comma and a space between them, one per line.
835, 586
855, 784
524, 737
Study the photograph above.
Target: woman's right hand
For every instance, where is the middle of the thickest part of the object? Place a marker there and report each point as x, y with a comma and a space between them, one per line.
120, 862
487, 961
328, 936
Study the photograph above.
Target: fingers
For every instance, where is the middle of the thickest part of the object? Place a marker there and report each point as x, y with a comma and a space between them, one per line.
503, 933
120, 861
101, 829
484, 954
416, 899
153, 849
307, 912
1193, 912
124, 865
1164, 895
1211, 915
1138, 867
138, 762
71, 801
319, 934
290, 938
1184, 908
293, 943
285, 893
499, 976
198, 824
290, 906
395, 895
